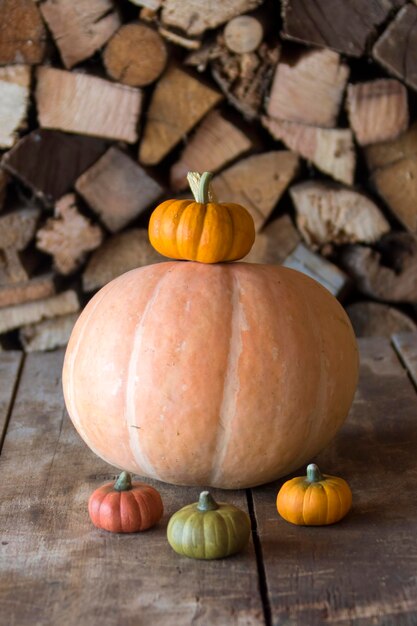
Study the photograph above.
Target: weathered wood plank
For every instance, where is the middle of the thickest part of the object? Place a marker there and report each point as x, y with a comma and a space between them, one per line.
9, 376
72, 573
406, 346
362, 570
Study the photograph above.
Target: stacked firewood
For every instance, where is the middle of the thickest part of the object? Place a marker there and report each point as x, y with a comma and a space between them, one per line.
304, 112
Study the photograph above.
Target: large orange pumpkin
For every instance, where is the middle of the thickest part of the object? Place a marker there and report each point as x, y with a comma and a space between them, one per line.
226, 375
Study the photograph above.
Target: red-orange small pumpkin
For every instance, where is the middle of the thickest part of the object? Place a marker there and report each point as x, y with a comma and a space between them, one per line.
125, 507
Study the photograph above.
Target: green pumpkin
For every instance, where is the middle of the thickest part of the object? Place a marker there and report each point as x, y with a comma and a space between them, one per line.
208, 530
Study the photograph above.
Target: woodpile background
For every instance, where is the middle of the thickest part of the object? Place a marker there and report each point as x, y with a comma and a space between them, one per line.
304, 111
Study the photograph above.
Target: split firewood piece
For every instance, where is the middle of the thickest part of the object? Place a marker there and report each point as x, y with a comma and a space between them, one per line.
378, 110
178, 103
12, 317
394, 174
344, 26
136, 55
14, 98
196, 16
331, 150
214, 144
396, 49
49, 162
178, 40
396, 184
16, 231
152, 5
308, 87
68, 236
322, 270
384, 154
35, 289
243, 34
274, 243
80, 28
11, 268
22, 33
330, 214
81, 103
49, 334
373, 319
118, 189
388, 272
149, 15
243, 78
118, 255
257, 182
210, 50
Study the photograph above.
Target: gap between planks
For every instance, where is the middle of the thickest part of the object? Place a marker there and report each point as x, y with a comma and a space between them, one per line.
10, 404
405, 347
262, 580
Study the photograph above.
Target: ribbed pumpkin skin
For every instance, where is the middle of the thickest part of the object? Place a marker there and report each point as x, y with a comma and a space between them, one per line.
130, 511
314, 504
207, 233
210, 534
226, 375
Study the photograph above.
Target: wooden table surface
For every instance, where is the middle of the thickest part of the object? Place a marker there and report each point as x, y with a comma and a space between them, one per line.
56, 568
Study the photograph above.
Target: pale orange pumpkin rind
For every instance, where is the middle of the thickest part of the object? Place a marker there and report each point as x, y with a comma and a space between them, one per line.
228, 375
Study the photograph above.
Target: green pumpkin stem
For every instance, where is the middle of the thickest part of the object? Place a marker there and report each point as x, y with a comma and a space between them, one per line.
206, 502
313, 474
200, 186
124, 482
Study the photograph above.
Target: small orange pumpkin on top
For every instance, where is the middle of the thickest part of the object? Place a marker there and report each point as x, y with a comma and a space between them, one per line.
203, 230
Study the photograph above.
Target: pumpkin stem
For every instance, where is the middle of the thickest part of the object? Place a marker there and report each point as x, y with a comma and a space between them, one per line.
124, 482
200, 186
206, 502
313, 474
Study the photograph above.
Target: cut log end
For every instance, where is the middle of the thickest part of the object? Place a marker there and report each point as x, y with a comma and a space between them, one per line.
196, 17
215, 143
257, 182
80, 28
331, 150
243, 34
334, 215
378, 110
308, 87
118, 189
178, 103
136, 55
85, 104
22, 33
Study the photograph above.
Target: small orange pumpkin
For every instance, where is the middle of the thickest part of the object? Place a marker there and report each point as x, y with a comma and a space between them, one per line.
202, 230
315, 499
125, 507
